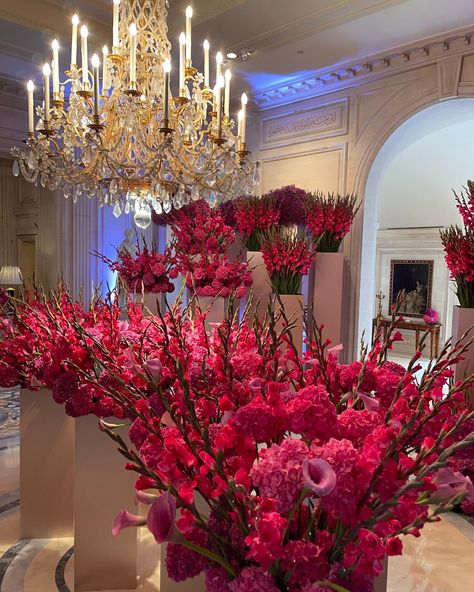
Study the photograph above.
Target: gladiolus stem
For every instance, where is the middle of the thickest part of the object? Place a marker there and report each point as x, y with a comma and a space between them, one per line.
210, 555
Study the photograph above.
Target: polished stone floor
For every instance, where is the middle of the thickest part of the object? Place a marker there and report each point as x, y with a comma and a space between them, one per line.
441, 560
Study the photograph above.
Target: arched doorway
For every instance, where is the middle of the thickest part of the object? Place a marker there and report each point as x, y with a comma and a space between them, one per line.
408, 197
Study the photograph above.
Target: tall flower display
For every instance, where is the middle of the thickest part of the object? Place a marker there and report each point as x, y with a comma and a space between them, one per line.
288, 256
311, 471
255, 216
458, 243
329, 218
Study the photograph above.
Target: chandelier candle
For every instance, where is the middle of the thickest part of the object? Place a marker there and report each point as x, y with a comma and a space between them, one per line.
133, 56
46, 74
115, 28
219, 87
205, 46
182, 65
55, 46
95, 68
228, 76
31, 106
244, 120
75, 25
219, 60
105, 70
85, 64
189, 16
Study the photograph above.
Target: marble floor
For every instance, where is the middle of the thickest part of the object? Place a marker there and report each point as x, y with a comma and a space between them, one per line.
441, 560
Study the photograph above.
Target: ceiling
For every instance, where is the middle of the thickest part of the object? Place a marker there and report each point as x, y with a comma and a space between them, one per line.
286, 38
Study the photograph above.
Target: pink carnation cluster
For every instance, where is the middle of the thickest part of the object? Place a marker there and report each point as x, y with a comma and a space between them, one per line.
311, 471
203, 240
146, 270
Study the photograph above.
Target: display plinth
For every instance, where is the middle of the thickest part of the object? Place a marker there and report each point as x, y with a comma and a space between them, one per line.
46, 467
215, 308
326, 284
463, 320
293, 307
261, 285
151, 302
102, 488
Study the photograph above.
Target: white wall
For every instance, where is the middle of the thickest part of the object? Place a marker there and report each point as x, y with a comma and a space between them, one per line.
422, 165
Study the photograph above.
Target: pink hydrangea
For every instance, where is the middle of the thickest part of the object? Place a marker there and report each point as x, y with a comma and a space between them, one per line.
253, 579
259, 420
183, 563
312, 414
278, 473
356, 425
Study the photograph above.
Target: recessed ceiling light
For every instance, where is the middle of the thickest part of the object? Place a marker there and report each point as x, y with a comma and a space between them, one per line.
232, 55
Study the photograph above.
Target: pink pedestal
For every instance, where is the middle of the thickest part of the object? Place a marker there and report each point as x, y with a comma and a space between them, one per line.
261, 285
214, 307
380, 584
294, 312
46, 467
326, 290
151, 302
463, 320
102, 488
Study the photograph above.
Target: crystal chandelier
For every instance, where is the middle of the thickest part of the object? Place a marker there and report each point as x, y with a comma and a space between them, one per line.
115, 131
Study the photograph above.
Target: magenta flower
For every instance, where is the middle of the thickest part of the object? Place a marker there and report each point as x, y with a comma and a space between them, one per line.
370, 403
126, 519
161, 518
319, 476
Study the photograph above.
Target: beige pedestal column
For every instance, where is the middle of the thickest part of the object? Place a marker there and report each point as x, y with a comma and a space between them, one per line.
151, 302
326, 291
215, 308
380, 584
102, 488
463, 320
46, 467
261, 285
293, 309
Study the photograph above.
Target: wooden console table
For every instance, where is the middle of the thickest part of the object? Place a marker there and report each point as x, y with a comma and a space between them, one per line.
419, 327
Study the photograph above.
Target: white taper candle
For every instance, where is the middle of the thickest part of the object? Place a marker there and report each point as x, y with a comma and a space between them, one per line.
133, 54
228, 76
85, 63
189, 16
46, 74
55, 46
30, 87
75, 24
182, 63
206, 63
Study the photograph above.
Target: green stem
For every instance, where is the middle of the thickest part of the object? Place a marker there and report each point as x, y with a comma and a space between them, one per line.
210, 555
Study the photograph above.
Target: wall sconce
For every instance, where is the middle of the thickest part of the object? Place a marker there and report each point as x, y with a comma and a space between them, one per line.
10, 275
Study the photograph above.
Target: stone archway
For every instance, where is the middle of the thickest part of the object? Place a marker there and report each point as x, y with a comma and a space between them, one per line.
420, 122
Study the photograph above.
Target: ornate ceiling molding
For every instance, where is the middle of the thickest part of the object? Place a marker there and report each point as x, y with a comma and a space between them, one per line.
355, 73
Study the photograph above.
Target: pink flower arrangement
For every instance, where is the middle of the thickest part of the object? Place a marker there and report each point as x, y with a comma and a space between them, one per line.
215, 275
203, 240
329, 218
431, 316
287, 256
255, 216
146, 270
458, 246
312, 471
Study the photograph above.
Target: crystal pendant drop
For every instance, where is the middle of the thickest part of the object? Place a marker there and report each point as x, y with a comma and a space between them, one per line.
16, 168
117, 210
142, 217
167, 206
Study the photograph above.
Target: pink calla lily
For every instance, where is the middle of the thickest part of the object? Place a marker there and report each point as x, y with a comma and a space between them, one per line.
319, 476
161, 518
126, 519
145, 498
370, 403
154, 367
450, 483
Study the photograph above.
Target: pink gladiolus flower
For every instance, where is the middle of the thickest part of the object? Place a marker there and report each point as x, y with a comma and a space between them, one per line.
450, 483
161, 518
125, 519
154, 367
370, 403
319, 476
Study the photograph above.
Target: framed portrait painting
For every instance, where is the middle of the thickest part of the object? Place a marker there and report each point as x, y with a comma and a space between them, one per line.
411, 283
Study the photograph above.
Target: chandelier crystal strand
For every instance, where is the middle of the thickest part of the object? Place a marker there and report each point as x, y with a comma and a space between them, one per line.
130, 142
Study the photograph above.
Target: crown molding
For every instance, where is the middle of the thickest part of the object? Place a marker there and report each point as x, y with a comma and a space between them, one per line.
372, 67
